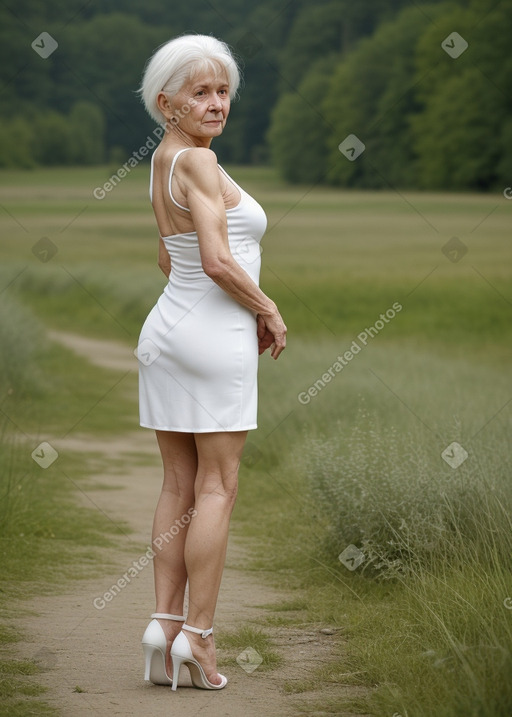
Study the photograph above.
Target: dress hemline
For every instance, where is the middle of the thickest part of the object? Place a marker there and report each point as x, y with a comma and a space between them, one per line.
252, 427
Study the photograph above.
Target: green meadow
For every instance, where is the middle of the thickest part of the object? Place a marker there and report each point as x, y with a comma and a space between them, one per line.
377, 486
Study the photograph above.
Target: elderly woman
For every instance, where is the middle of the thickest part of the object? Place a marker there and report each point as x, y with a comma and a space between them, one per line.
198, 349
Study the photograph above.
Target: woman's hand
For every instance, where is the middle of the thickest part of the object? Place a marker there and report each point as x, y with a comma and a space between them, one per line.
271, 333
265, 338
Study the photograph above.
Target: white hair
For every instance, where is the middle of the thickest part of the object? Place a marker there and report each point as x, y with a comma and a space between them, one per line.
176, 61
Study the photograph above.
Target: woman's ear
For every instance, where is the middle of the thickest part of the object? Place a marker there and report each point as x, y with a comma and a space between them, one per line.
164, 105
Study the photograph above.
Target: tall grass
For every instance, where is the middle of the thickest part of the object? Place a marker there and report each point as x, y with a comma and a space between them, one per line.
424, 618
21, 341
22, 338
387, 492
444, 539
33, 531
47, 389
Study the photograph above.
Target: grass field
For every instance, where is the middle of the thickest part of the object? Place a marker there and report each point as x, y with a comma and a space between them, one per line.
348, 452
335, 260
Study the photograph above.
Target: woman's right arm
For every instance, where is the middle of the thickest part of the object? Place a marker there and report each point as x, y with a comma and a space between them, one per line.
199, 178
164, 260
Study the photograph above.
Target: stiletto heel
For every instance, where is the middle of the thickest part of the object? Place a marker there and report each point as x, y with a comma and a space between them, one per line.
154, 644
181, 652
176, 664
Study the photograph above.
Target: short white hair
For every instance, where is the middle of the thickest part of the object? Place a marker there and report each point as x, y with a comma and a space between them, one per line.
176, 61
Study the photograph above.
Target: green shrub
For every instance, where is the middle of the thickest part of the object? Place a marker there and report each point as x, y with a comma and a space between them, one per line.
21, 339
394, 498
16, 136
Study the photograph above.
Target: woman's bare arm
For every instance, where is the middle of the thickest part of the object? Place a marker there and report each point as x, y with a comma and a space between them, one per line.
199, 176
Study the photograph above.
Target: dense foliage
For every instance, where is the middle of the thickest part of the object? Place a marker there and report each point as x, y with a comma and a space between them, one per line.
427, 118
314, 73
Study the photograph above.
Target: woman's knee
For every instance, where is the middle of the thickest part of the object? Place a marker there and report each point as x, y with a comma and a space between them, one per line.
179, 491
217, 486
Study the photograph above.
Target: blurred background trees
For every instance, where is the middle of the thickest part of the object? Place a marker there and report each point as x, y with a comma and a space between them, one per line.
313, 73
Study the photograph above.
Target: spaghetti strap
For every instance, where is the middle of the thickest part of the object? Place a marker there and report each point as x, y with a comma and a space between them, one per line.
151, 179
186, 209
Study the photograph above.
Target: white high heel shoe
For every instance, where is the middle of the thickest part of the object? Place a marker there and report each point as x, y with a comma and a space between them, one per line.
182, 652
154, 644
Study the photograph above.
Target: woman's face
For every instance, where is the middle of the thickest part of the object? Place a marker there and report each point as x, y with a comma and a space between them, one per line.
201, 107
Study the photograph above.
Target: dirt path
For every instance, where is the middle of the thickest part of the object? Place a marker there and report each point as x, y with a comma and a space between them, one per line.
98, 650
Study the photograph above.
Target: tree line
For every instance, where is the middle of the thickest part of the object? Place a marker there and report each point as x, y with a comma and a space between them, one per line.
428, 94
424, 87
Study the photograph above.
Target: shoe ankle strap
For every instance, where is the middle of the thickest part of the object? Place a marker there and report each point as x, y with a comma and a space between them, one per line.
204, 633
168, 616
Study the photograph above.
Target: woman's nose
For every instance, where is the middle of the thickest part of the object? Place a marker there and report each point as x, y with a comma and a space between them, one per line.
215, 103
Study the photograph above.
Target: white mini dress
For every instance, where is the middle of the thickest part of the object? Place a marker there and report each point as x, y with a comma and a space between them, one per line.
198, 348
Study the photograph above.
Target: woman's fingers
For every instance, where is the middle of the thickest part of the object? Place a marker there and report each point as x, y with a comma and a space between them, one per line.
265, 341
279, 345
271, 333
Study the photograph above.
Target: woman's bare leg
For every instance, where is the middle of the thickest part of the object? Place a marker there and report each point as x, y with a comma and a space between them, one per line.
170, 526
218, 460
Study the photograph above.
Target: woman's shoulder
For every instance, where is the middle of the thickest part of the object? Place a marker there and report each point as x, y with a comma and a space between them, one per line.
197, 167
190, 157
197, 160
